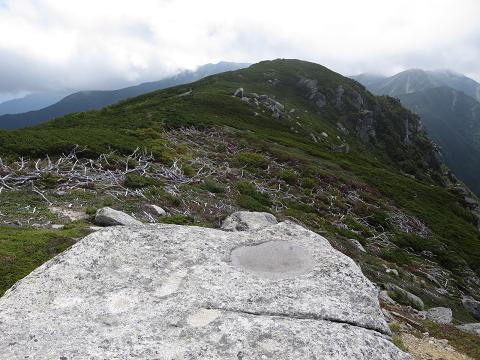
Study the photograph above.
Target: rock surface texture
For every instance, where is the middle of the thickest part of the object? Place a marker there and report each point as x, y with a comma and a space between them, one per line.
440, 315
178, 292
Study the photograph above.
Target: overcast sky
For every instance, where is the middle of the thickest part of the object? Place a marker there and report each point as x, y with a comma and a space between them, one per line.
104, 44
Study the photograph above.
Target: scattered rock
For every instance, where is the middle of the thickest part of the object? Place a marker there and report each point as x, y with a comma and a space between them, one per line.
109, 217
239, 93
357, 244
473, 328
157, 210
68, 214
343, 148
413, 299
182, 292
57, 226
247, 220
392, 271
324, 134
273, 82
472, 306
441, 315
384, 297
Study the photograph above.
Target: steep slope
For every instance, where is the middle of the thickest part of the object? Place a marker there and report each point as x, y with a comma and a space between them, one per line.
31, 102
287, 137
446, 104
458, 82
88, 100
453, 121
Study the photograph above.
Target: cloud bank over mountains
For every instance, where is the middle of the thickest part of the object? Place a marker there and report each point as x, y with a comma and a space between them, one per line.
52, 44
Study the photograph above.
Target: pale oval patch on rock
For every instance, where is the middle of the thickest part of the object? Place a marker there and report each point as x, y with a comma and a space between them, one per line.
172, 284
203, 317
273, 259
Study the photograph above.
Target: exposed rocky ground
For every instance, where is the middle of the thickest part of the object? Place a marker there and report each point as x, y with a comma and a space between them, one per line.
277, 292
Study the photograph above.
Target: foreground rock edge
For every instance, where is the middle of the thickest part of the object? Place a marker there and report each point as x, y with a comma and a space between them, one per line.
218, 305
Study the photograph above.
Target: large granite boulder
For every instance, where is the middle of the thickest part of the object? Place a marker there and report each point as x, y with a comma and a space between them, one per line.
179, 292
109, 217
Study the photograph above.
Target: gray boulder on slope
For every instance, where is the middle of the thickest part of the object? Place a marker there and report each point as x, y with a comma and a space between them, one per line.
248, 220
441, 315
473, 328
472, 306
180, 292
109, 217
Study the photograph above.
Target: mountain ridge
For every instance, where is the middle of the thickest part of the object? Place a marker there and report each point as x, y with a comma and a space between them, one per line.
95, 99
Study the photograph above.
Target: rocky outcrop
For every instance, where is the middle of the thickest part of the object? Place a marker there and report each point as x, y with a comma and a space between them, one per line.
247, 220
109, 217
440, 315
253, 99
178, 292
365, 125
412, 128
272, 105
357, 100
313, 94
472, 306
339, 96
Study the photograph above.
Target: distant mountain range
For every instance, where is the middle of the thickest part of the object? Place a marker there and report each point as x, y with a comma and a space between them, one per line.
35, 101
96, 99
449, 106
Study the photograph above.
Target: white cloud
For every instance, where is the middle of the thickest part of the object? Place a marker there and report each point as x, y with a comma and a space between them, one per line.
109, 43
